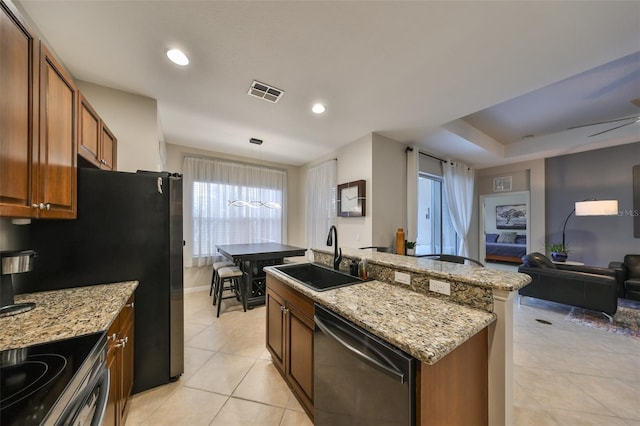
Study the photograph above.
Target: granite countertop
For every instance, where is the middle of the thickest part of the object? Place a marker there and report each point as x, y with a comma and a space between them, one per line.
472, 275
65, 313
425, 327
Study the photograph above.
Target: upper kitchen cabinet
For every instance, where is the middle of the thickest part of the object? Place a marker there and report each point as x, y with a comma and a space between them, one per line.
96, 143
57, 154
19, 70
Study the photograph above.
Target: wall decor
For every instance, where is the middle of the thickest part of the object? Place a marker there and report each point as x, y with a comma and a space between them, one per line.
512, 216
352, 199
636, 201
502, 184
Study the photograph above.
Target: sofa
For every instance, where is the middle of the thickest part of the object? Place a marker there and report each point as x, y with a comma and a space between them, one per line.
629, 276
505, 247
588, 287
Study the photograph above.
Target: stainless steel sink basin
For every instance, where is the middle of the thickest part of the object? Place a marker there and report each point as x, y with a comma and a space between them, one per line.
318, 277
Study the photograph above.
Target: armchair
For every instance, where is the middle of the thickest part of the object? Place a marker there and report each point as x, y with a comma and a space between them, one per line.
588, 287
629, 273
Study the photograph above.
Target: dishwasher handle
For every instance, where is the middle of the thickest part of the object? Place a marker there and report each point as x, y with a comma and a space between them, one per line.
325, 328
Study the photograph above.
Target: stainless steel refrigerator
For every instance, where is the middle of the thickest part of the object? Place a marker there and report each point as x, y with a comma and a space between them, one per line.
129, 227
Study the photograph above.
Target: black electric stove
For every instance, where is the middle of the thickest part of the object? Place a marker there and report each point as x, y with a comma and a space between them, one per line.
42, 384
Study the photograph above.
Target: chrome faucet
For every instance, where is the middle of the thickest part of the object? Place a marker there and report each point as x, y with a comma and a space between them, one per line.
337, 253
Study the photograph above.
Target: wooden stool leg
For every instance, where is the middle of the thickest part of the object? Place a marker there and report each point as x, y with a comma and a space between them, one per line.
220, 288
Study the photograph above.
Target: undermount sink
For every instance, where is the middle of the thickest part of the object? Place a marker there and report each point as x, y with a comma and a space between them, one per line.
318, 277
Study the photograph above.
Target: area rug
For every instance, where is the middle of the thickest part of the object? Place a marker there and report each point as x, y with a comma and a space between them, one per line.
626, 321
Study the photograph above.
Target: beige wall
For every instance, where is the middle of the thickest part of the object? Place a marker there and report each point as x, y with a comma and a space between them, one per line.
389, 190
355, 163
133, 119
381, 162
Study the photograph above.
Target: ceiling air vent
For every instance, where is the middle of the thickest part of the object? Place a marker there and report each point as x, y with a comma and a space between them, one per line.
264, 91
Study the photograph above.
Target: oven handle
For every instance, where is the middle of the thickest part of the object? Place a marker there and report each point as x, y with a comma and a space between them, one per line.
325, 328
104, 382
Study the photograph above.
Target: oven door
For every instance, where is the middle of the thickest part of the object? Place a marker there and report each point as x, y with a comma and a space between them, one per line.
89, 406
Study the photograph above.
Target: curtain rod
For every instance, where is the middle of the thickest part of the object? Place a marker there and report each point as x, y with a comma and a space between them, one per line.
409, 149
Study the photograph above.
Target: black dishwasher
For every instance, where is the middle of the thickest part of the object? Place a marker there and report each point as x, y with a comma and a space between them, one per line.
358, 378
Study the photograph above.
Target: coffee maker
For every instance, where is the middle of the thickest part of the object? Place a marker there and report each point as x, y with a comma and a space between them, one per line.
13, 262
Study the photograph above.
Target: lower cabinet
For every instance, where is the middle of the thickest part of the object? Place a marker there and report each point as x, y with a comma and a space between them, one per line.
290, 338
454, 390
120, 364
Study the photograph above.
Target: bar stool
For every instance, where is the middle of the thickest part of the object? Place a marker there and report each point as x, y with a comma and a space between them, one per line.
215, 279
233, 275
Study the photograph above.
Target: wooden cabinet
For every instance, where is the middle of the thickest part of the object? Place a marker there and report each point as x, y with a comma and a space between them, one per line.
37, 125
120, 364
290, 338
57, 172
19, 71
96, 143
454, 390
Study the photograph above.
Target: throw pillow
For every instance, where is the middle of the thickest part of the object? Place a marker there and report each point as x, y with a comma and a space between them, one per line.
491, 238
521, 239
507, 237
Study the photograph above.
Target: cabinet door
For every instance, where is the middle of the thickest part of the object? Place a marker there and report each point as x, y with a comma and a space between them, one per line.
18, 102
112, 414
299, 359
127, 334
57, 181
275, 328
89, 131
108, 149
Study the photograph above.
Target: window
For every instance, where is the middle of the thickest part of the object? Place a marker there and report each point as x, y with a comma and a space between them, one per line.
231, 203
435, 230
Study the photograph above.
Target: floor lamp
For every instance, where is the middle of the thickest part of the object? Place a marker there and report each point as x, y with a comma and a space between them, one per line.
591, 207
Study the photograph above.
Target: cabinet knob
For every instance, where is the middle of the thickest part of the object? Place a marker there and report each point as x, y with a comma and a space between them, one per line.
130, 305
121, 343
40, 206
47, 206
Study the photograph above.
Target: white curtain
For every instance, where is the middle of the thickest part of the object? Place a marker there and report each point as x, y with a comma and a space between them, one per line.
231, 203
458, 183
320, 202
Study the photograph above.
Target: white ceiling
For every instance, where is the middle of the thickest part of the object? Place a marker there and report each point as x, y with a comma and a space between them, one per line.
434, 74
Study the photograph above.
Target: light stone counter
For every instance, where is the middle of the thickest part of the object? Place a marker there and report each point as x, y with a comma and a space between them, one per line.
467, 274
65, 313
423, 326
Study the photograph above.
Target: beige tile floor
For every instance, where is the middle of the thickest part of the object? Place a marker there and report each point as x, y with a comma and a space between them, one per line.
564, 374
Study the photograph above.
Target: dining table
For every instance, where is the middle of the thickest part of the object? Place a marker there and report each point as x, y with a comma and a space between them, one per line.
252, 258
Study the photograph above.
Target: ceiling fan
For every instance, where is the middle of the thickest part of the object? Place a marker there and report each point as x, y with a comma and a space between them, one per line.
627, 121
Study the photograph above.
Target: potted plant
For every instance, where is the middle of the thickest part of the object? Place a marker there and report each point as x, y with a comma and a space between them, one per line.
411, 247
559, 252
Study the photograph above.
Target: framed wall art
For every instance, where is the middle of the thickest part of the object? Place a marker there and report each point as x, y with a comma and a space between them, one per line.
512, 216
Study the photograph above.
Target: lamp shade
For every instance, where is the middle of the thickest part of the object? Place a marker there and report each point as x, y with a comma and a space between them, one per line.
597, 208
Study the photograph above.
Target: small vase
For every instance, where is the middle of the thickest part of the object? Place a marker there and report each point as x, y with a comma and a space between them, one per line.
559, 257
411, 252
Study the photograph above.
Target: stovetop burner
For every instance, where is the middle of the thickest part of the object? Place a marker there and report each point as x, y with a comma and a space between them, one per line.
21, 380
33, 379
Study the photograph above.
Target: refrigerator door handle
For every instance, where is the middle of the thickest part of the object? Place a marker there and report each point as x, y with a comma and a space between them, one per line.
159, 185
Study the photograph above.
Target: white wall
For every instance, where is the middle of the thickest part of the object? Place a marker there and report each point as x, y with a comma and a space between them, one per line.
133, 119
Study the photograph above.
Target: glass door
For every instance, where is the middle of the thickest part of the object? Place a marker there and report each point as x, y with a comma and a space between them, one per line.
435, 231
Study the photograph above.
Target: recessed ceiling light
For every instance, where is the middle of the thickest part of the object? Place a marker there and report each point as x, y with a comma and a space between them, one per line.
177, 57
318, 108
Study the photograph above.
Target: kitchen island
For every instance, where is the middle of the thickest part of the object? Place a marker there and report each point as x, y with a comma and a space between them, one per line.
482, 290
